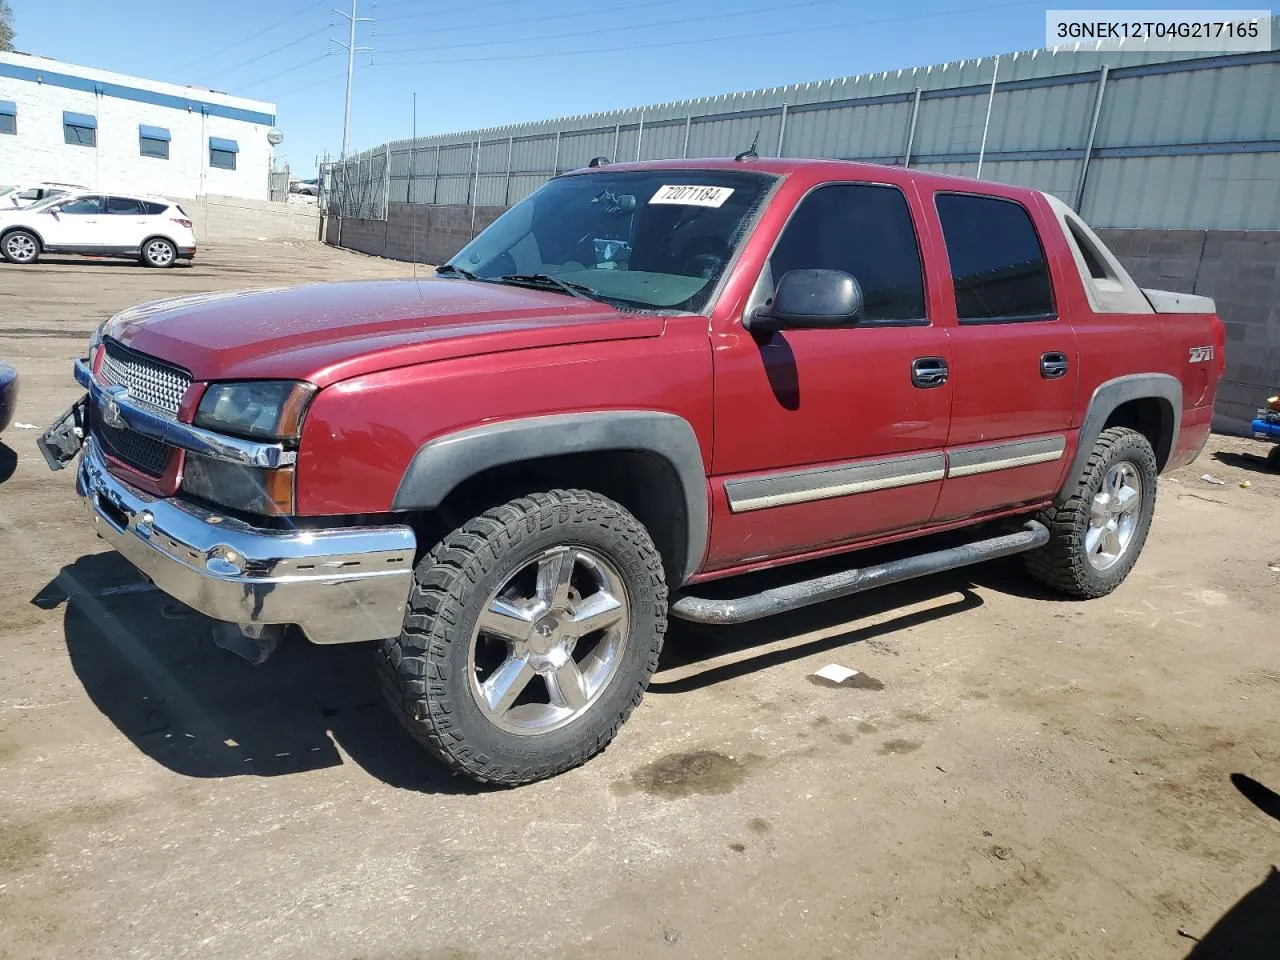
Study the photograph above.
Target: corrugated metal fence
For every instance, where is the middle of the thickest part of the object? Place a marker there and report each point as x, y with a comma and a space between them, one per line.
1133, 139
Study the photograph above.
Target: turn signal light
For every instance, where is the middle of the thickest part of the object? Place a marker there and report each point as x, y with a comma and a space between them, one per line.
1273, 404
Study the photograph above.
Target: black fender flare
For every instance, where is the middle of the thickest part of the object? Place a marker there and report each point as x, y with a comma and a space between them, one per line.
1105, 400
441, 465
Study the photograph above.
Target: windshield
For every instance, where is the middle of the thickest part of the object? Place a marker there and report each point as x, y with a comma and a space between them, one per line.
648, 239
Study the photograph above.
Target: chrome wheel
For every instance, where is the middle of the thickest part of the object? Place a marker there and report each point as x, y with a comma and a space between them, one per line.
549, 641
160, 253
20, 247
1113, 516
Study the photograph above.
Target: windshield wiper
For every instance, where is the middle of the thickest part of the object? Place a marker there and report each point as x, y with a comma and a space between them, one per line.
545, 281
449, 270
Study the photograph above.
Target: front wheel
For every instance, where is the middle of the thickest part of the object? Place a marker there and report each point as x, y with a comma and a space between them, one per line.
20, 246
531, 634
1096, 536
158, 252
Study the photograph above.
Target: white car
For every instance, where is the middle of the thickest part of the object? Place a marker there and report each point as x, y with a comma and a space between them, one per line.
152, 230
29, 194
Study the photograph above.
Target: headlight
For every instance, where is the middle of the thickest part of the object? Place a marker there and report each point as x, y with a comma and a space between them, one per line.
255, 409
268, 493
95, 338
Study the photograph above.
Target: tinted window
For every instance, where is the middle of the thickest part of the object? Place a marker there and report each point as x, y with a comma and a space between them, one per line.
80, 136
85, 205
8, 123
150, 147
866, 231
997, 264
153, 209
123, 206
223, 159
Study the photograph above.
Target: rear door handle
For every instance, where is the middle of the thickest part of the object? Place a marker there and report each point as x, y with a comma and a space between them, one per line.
1053, 366
928, 372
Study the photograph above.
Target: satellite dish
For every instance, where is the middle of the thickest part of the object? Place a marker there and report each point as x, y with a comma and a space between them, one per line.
275, 137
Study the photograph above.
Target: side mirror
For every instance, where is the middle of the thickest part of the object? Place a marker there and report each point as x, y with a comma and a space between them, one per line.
811, 299
55, 210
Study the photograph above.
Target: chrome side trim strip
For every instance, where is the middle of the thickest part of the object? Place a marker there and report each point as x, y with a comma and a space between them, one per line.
149, 423
990, 457
822, 483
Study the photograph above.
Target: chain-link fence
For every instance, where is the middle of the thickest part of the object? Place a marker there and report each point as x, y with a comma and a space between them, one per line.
356, 189
278, 185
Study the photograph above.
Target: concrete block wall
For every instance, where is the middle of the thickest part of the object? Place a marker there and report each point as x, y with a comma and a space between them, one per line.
431, 233
1240, 269
240, 218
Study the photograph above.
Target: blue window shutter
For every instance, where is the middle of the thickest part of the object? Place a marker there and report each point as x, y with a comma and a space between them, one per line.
8, 108
154, 133
227, 146
80, 119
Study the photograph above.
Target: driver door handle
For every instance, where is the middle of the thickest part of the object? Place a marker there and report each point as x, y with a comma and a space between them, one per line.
927, 372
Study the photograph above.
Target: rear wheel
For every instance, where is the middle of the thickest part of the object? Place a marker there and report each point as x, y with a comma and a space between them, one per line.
1097, 535
20, 246
531, 634
159, 252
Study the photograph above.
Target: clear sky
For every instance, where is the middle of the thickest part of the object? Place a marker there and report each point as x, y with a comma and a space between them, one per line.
491, 62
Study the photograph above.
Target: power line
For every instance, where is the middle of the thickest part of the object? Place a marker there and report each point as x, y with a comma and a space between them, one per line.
270, 53
435, 13
309, 86
552, 16
720, 39
285, 72
255, 36
622, 29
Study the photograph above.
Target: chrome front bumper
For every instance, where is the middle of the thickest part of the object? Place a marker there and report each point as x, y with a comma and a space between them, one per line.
340, 585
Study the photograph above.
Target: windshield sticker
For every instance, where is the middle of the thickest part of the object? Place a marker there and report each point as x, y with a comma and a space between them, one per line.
693, 196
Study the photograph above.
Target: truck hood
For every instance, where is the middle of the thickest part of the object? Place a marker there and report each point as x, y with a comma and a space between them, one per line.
333, 331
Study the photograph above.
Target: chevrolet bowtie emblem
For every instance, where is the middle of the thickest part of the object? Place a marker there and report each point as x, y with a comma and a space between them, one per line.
110, 406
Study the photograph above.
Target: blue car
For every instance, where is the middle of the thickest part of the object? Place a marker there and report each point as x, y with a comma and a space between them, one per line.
8, 394
1266, 426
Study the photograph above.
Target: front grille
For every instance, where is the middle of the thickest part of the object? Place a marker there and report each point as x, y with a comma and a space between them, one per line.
142, 453
150, 381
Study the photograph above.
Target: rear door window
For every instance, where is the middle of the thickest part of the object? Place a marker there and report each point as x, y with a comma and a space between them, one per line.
998, 266
124, 207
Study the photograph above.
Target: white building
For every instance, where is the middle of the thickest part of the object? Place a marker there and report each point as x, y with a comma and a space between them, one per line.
108, 131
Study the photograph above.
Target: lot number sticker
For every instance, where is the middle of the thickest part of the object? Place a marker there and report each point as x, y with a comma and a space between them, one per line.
693, 196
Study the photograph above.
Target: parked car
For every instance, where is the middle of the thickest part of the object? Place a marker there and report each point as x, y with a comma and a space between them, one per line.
1266, 427
26, 195
308, 188
641, 379
8, 395
152, 230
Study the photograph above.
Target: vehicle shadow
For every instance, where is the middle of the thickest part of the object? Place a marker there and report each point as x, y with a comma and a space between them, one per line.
1258, 463
805, 632
1262, 797
1250, 930
8, 461
150, 665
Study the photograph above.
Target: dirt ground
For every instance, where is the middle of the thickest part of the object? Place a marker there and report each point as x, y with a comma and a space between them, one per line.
1015, 776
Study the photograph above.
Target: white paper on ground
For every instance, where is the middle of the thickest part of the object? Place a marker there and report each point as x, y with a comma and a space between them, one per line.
836, 673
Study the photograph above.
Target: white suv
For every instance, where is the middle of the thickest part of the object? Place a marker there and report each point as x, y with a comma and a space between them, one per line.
152, 230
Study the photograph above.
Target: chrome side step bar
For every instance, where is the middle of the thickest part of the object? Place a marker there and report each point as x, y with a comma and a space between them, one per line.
793, 596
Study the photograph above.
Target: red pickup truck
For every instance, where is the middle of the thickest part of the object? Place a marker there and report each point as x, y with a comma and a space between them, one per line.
641, 378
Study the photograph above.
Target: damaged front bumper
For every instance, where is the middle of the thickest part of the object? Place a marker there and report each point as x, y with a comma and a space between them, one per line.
340, 585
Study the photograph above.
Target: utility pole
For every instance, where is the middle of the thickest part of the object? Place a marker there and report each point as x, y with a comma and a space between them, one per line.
352, 50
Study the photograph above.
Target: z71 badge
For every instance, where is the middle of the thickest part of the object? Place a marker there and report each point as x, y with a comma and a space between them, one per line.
1200, 354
